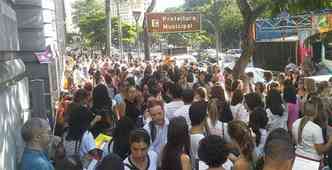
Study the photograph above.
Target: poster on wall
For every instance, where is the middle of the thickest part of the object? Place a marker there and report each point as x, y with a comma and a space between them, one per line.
322, 23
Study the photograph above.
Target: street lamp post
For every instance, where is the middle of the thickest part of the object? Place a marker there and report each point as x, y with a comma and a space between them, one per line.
120, 27
137, 16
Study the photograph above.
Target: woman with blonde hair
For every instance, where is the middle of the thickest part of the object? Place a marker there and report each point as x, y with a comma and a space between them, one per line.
201, 94
308, 135
216, 127
241, 135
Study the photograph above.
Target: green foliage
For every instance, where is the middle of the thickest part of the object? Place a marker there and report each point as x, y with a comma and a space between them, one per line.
295, 7
128, 33
224, 14
90, 17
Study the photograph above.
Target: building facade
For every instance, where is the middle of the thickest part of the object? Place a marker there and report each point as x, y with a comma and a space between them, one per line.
41, 26
126, 9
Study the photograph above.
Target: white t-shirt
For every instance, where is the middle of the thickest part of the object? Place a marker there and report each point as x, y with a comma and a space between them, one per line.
88, 143
276, 121
194, 144
240, 113
171, 107
152, 164
311, 134
260, 148
184, 112
219, 129
228, 165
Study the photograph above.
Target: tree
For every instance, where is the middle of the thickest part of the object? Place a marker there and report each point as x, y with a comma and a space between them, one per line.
129, 34
250, 11
146, 38
222, 18
90, 17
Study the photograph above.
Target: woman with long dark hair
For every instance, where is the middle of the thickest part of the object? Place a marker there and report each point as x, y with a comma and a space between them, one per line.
292, 102
79, 138
275, 110
217, 92
175, 155
258, 121
121, 136
251, 101
102, 105
133, 109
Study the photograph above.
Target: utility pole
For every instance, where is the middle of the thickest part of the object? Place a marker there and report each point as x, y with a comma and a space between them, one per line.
109, 27
137, 16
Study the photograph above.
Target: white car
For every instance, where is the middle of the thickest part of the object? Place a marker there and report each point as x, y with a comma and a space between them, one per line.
258, 72
180, 59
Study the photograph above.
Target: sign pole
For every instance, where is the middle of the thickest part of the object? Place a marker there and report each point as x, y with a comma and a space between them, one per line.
137, 16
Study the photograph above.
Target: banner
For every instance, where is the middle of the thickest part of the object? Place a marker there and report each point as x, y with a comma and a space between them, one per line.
174, 22
45, 56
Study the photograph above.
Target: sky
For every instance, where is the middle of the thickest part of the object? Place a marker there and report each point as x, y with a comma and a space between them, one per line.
163, 4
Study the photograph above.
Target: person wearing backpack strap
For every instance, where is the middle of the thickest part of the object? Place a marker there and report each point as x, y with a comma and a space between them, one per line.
140, 158
157, 127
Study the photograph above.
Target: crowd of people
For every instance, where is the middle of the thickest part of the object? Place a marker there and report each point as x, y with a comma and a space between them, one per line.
167, 117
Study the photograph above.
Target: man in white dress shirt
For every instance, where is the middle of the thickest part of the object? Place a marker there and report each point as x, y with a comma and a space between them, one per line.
176, 102
187, 97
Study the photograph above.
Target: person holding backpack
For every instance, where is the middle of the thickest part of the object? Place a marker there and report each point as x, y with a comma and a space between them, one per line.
157, 127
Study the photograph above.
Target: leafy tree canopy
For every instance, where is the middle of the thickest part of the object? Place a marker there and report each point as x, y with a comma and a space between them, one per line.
89, 16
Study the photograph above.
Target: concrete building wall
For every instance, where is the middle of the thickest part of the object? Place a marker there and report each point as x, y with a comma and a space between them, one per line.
14, 93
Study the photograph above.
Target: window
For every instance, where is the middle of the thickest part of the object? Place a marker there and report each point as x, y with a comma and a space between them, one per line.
328, 49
